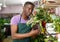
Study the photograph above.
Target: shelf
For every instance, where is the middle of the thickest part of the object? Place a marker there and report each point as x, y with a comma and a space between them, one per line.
54, 4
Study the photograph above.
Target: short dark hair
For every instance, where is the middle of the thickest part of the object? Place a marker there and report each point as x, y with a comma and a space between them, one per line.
26, 3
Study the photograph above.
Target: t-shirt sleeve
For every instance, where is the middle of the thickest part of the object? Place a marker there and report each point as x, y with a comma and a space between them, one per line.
14, 20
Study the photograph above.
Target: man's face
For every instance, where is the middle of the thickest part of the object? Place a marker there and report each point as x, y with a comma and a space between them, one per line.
28, 9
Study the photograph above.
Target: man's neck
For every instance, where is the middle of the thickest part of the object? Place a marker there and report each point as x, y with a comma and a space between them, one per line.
24, 17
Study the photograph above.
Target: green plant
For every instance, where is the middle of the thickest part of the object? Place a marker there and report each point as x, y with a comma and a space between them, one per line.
1, 30
50, 39
41, 15
57, 24
2, 33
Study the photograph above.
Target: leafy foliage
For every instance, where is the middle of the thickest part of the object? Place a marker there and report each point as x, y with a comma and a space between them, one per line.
41, 15
57, 24
2, 33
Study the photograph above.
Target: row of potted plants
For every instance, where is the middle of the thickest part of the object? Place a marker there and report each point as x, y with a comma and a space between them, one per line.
2, 32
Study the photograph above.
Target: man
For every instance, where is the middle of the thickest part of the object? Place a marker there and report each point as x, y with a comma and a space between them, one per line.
19, 30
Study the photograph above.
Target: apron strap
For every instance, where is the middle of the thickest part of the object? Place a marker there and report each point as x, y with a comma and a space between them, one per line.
20, 19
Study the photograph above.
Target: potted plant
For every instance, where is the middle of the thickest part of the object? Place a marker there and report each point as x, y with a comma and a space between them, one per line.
56, 22
2, 36
40, 18
2, 32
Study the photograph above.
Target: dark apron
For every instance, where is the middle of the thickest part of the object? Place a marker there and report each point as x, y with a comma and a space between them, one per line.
22, 29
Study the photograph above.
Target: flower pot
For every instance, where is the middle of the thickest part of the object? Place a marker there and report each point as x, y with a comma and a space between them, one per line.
50, 28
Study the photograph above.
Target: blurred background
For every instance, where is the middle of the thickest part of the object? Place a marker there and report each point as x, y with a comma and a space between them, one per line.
9, 8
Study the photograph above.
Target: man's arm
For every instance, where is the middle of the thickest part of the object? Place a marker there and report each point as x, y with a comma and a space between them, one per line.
21, 36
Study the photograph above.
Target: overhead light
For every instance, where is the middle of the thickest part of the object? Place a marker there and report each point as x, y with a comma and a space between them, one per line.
4, 3
0, 5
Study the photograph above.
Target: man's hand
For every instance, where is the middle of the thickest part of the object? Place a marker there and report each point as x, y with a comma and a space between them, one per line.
34, 32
